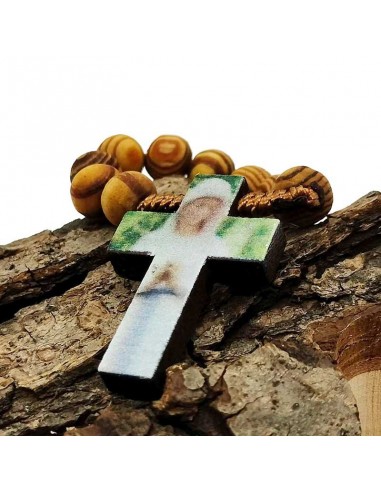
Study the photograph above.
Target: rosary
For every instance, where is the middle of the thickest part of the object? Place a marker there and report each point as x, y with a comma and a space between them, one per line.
226, 228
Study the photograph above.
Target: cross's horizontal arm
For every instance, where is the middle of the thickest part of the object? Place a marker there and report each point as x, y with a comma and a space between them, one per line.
254, 249
136, 229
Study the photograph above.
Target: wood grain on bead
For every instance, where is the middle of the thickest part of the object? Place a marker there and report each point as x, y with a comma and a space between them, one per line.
211, 162
87, 186
168, 154
359, 345
93, 157
126, 150
307, 177
358, 355
257, 178
123, 193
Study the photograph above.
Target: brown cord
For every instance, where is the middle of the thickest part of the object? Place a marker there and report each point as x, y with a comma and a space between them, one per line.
251, 205
261, 204
160, 203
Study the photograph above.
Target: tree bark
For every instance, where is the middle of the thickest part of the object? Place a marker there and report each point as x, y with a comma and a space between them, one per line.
257, 365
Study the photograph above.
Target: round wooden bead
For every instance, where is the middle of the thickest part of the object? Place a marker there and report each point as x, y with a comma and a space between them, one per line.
93, 157
257, 178
126, 150
123, 193
211, 162
87, 186
168, 154
307, 177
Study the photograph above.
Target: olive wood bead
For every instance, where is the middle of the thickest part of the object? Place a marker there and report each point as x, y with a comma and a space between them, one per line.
126, 150
257, 178
123, 193
307, 177
93, 157
211, 162
168, 154
87, 186
358, 356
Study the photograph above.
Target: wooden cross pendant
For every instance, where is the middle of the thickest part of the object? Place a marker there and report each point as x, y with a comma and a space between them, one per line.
177, 254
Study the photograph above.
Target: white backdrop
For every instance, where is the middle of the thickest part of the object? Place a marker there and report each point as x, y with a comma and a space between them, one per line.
272, 83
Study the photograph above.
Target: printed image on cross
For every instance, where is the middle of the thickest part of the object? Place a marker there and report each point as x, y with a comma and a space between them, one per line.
177, 256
